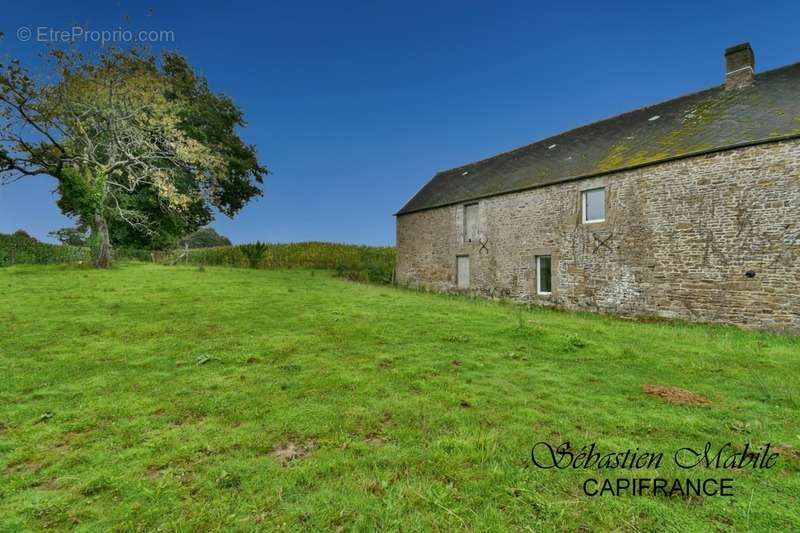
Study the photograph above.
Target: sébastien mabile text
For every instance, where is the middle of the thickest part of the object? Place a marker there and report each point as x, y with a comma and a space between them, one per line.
696, 460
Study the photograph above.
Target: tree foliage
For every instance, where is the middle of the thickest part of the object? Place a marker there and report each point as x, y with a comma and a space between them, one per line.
142, 150
205, 238
23, 235
77, 236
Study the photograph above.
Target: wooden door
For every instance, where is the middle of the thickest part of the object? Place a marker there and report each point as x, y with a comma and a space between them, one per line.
462, 271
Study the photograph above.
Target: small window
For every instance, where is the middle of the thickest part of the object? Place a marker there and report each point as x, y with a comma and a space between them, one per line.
470, 222
594, 205
543, 275
462, 271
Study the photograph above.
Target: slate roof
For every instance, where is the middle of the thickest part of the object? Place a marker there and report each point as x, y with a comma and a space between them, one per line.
710, 120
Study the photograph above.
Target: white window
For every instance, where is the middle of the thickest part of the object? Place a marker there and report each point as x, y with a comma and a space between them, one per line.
594, 205
470, 222
543, 275
462, 271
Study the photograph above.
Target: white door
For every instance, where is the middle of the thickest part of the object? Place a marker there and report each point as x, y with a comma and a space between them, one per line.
462, 271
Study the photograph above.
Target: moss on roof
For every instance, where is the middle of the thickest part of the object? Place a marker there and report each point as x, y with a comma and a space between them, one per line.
713, 119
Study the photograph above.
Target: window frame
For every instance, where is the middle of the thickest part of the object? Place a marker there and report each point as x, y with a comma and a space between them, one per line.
539, 275
464, 235
584, 205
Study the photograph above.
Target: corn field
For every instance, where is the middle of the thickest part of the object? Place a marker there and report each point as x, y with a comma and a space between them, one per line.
356, 262
16, 249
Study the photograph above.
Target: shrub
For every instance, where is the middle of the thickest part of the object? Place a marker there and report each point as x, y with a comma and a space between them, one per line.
253, 252
573, 341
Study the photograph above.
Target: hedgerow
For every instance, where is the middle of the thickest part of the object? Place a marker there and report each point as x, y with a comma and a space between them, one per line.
355, 262
21, 249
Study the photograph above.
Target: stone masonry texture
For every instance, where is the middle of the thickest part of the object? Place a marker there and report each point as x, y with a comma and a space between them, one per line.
713, 238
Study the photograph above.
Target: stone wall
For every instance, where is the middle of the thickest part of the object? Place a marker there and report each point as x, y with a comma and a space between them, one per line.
678, 241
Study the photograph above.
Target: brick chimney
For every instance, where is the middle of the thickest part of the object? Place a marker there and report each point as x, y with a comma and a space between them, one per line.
739, 65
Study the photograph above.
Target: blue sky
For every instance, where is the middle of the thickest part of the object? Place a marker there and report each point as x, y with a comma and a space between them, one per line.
355, 105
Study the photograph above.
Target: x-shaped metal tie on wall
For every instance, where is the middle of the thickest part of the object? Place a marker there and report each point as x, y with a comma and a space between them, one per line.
602, 242
483, 241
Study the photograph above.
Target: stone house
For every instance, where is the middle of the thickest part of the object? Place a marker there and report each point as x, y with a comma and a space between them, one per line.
686, 209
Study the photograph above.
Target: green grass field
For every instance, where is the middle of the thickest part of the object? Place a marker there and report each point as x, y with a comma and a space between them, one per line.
226, 399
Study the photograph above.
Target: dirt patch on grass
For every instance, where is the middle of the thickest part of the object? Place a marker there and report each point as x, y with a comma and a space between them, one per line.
374, 439
77, 434
25, 466
786, 450
3, 428
181, 470
675, 395
48, 484
188, 418
456, 362
289, 451
61, 448
153, 472
376, 488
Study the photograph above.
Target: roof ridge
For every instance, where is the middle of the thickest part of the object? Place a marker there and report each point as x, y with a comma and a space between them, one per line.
710, 119
599, 121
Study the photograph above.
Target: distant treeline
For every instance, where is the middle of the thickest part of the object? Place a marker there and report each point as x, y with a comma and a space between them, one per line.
355, 262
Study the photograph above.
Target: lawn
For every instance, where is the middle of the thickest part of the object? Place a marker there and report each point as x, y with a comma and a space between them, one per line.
229, 399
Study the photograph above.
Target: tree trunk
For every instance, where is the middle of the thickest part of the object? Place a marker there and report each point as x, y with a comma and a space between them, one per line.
101, 243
